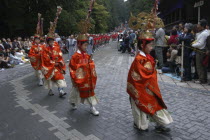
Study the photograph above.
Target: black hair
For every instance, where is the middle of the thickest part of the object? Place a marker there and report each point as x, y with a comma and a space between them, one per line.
176, 26
36, 38
189, 30
174, 46
181, 23
174, 32
49, 39
12, 52
82, 42
140, 42
195, 29
1, 54
203, 23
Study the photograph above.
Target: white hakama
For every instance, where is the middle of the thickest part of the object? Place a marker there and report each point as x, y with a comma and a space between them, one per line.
161, 117
75, 98
49, 84
38, 73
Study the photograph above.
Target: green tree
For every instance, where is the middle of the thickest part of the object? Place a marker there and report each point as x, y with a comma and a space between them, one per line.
100, 18
19, 18
137, 6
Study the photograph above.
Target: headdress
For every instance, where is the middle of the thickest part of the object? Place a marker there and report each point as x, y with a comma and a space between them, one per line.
39, 31
53, 25
84, 25
147, 23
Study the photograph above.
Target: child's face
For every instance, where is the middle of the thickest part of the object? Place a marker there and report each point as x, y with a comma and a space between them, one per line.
37, 41
84, 47
148, 48
51, 42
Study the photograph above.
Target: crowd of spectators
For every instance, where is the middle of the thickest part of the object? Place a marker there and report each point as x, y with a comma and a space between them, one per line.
14, 52
188, 46
183, 50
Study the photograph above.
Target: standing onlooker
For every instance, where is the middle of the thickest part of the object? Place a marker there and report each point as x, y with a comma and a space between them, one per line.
208, 49
187, 37
200, 44
173, 38
126, 43
90, 45
121, 43
160, 42
71, 42
132, 37
180, 29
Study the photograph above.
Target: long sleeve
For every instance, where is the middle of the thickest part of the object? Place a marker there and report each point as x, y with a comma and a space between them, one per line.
201, 41
141, 72
72, 68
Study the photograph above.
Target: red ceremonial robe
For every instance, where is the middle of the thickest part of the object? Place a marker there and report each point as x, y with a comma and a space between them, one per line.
83, 74
35, 56
142, 85
51, 56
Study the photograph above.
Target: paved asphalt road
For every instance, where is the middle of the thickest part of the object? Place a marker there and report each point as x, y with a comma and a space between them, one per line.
28, 113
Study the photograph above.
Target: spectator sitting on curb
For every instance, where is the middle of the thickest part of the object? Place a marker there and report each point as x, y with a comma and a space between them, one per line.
171, 61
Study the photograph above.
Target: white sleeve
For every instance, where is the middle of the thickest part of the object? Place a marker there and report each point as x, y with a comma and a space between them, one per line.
200, 42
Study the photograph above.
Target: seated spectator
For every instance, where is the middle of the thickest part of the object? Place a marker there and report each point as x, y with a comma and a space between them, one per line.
21, 56
26, 44
3, 62
1, 46
5, 43
6, 55
15, 60
9, 43
15, 44
171, 61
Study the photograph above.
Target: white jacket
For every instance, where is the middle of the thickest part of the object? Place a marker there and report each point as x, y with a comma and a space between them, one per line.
200, 42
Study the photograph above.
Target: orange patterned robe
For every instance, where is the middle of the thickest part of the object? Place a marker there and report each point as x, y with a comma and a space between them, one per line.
35, 56
142, 85
83, 74
51, 56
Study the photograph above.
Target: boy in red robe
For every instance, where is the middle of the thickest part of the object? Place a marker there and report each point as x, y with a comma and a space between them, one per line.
142, 86
35, 52
35, 58
53, 66
83, 76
